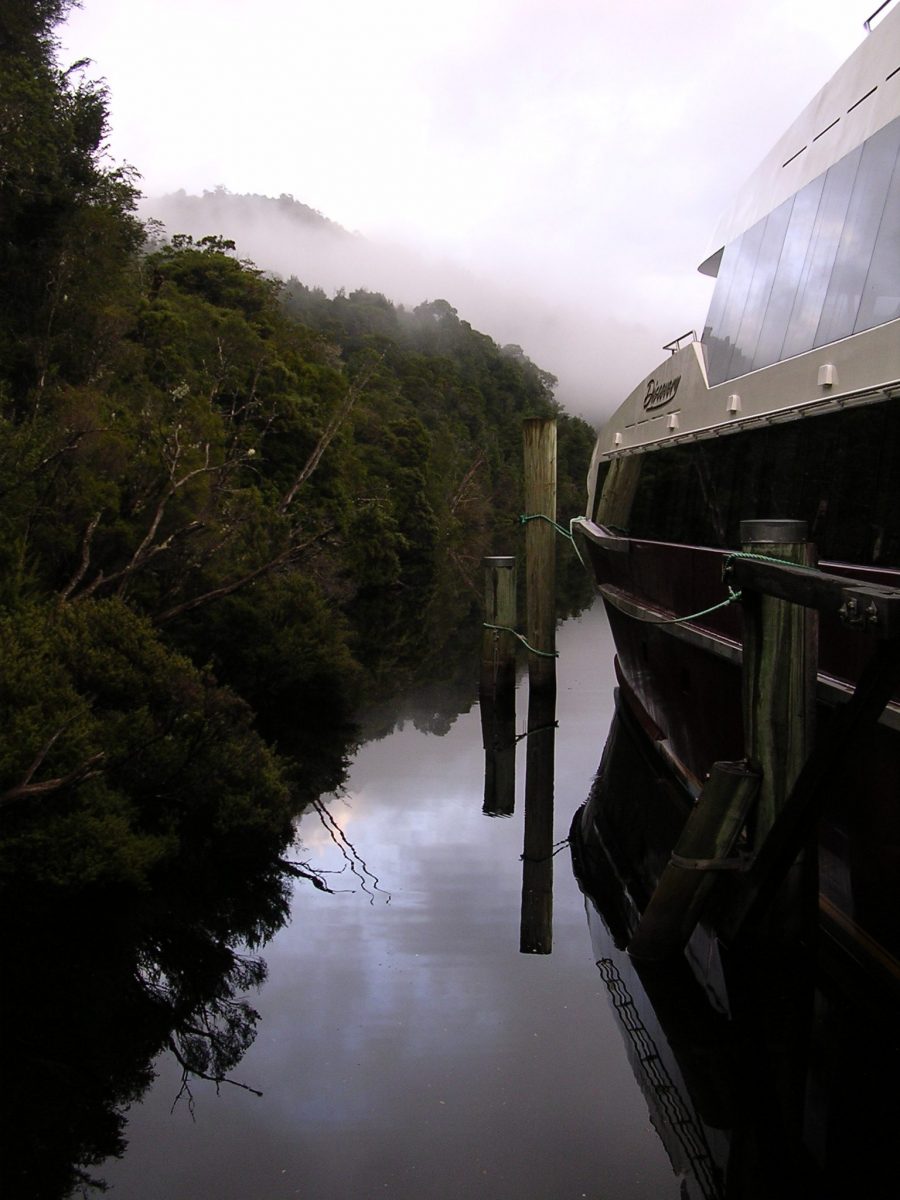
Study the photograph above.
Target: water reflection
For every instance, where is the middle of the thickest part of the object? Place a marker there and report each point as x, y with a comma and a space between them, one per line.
96, 989
536, 928
765, 1071
498, 736
408, 1049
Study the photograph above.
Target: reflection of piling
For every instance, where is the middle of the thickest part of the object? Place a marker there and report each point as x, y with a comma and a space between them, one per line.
536, 929
498, 647
539, 444
498, 731
704, 847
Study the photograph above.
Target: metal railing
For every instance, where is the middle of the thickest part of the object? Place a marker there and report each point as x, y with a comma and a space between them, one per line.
867, 24
675, 345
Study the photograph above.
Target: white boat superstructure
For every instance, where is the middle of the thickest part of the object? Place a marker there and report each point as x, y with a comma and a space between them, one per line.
805, 317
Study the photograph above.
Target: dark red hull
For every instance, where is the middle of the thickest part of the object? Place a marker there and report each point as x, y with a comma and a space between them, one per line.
682, 685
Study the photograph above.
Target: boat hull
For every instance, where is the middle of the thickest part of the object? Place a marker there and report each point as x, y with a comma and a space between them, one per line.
680, 688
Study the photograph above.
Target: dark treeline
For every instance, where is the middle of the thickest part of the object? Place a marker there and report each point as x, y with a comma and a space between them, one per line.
229, 506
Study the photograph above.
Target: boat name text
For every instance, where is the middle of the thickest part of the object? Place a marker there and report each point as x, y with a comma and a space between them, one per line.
660, 393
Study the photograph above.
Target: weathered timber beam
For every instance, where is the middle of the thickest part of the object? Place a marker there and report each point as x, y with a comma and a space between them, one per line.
869, 607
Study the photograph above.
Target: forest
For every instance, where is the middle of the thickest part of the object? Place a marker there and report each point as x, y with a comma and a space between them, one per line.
230, 506
216, 486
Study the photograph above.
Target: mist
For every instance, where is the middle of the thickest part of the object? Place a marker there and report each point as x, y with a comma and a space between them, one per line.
554, 170
570, 332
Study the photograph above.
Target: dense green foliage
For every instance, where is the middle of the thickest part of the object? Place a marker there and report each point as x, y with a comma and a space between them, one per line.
213, 486
228, 510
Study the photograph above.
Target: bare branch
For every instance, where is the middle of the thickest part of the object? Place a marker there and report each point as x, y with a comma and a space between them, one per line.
26, 790
354, 391
187, 1071
86, 541
462, 491
287, 555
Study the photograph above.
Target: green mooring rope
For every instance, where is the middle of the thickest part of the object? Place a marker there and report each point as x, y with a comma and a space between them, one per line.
560, 529
732, 594
526, 517
731, 598
533, 649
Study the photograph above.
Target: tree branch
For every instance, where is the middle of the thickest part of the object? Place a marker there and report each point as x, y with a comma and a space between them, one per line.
354, 391
287, 555
27, 790
86, 541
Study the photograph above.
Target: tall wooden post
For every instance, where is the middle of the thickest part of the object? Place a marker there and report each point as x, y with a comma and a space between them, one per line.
498, 646
539, 443
779, 675
779, 701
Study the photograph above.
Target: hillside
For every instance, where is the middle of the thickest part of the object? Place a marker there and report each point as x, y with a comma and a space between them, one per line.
228, 504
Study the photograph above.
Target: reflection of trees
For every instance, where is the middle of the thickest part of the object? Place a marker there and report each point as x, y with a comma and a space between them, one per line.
424, 644
96, 988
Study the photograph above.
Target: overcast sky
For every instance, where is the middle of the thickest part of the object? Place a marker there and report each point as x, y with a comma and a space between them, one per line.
561, 165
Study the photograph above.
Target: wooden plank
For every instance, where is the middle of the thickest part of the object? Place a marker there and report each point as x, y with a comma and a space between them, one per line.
869, 607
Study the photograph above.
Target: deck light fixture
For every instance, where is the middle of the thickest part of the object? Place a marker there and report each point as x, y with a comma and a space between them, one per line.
827, 375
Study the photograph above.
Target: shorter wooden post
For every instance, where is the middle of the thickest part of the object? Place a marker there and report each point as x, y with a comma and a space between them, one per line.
498, 646
707, 839
539, 444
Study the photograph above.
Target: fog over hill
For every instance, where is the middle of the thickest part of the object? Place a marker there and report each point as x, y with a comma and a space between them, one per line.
561, 334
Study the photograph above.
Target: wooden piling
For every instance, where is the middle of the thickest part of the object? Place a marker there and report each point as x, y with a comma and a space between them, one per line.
498, 646
539, 444
779, 673
780, 658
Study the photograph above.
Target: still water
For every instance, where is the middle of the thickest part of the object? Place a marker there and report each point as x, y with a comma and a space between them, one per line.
406, 1048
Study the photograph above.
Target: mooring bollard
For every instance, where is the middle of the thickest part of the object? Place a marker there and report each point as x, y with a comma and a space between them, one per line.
539, 445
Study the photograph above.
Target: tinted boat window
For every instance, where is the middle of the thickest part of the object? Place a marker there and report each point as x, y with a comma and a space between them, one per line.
739, 264
823, 248
840, 473
760, 290
823, 265
881, 295
864, 218
804, 207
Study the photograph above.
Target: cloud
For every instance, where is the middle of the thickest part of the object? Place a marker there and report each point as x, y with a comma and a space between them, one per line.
554, 169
